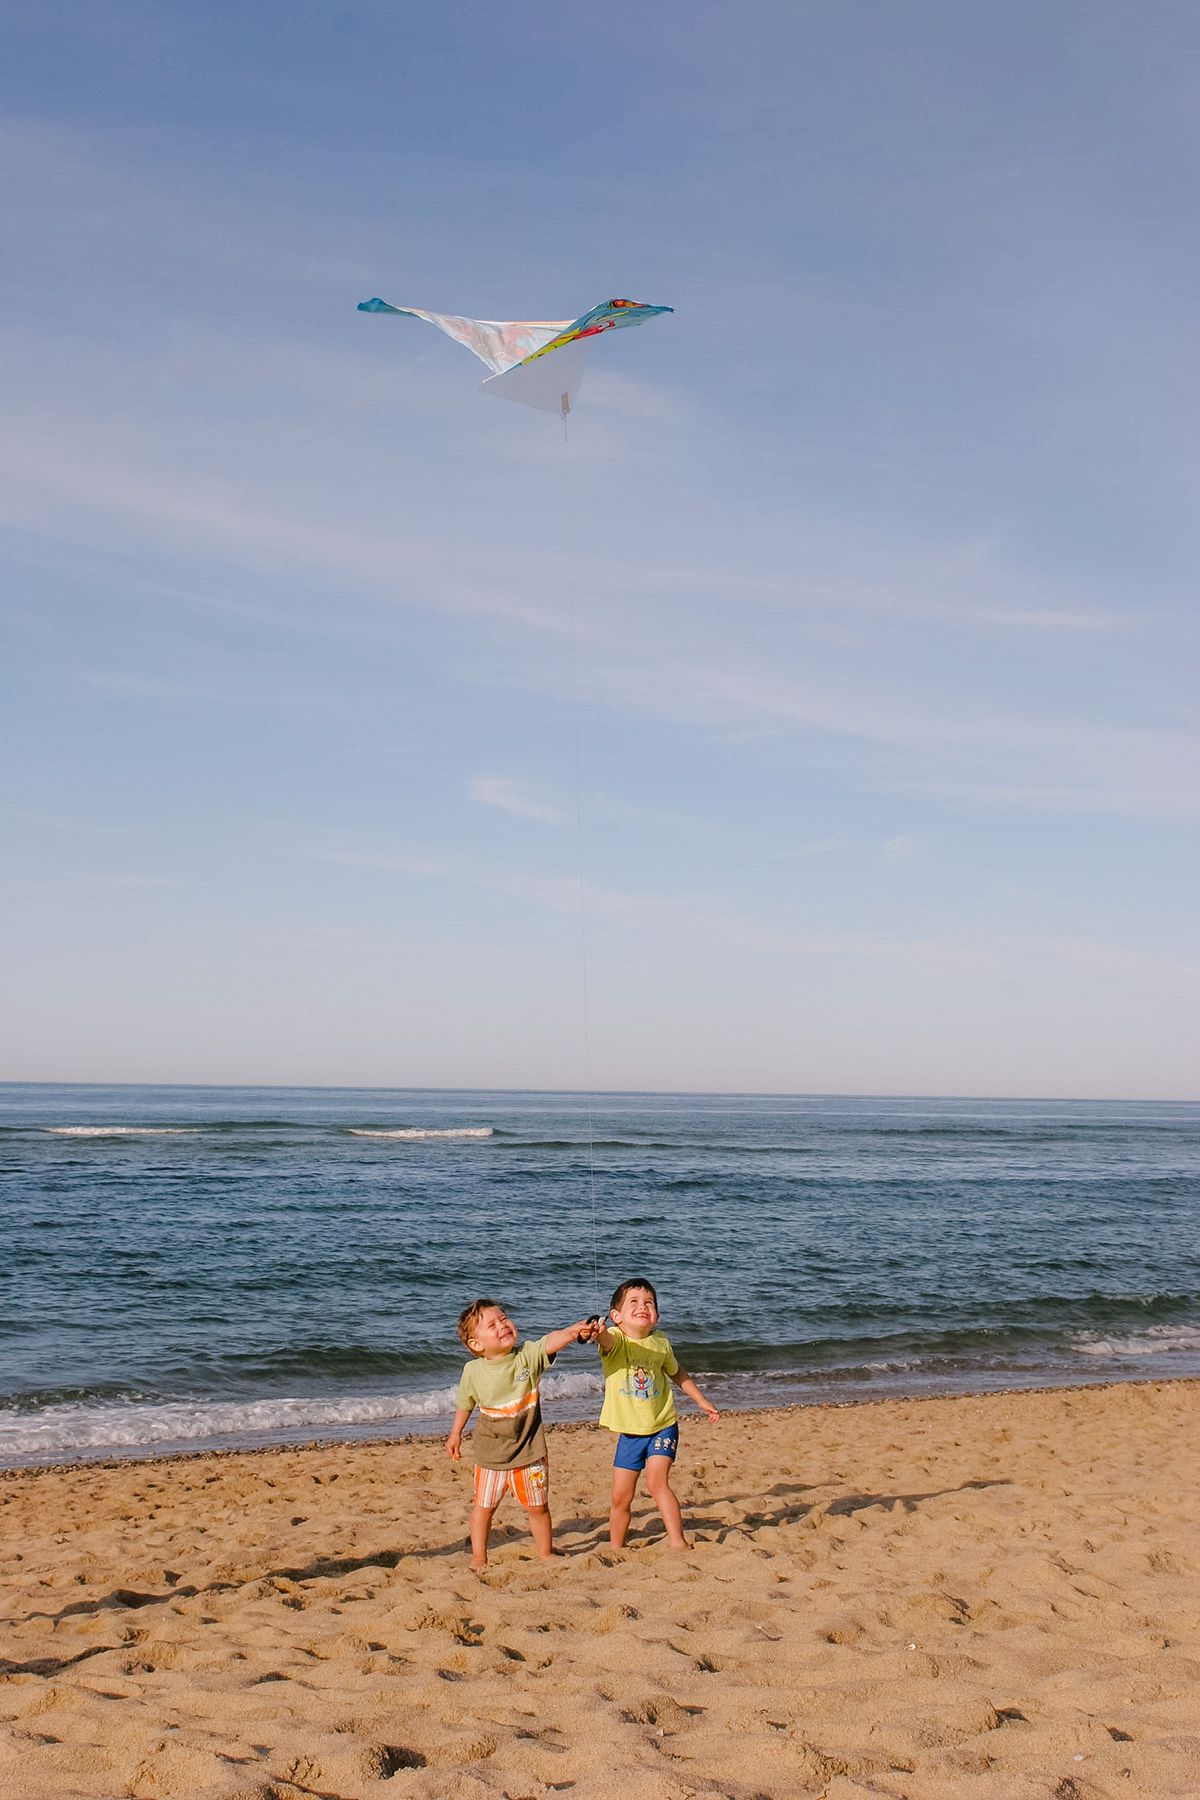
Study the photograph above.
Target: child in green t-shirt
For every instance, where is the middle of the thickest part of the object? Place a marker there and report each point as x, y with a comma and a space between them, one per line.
509, 1443
639, 1366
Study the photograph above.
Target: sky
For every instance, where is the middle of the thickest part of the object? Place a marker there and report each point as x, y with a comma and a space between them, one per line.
821, 718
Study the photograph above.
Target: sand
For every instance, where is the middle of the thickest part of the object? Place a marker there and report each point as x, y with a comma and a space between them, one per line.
995, 1596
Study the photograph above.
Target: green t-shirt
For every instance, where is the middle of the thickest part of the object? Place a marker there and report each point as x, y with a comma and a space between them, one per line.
638, 1397
509, 1433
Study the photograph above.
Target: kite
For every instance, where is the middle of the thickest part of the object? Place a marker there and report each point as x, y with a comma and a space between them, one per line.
538, 362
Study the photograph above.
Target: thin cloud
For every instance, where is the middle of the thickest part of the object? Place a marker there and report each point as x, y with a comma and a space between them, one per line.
506, 796
630, 646
425, 868
169, 692
682, 915
901, 848
815, 847
1175, 796
115, 879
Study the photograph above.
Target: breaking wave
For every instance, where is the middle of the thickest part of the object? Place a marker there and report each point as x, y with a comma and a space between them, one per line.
1154, 1341
417, 1131
72, 1429
121, 1131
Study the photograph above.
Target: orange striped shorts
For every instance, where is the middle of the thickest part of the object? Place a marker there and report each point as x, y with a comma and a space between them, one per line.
529, 1486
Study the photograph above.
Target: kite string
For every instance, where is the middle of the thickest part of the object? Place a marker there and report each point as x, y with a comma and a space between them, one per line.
583, 953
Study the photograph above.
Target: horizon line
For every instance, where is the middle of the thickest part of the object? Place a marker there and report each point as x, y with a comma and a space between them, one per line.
619, 1093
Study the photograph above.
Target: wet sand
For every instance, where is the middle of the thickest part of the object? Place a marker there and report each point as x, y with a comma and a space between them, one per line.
992, 1596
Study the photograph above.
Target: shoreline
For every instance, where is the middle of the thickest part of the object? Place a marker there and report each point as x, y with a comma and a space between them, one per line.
105, 1460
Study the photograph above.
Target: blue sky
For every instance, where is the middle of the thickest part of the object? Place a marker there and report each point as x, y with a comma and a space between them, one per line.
878, 557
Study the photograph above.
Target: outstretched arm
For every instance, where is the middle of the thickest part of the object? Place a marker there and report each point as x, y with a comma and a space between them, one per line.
454, 1441
579, 1333
684, 1382
604, 1337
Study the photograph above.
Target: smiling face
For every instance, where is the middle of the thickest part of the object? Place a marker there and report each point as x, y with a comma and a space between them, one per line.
492, 1333
637, 1315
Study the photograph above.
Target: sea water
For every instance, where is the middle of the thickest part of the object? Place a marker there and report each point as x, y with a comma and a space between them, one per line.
197, 1267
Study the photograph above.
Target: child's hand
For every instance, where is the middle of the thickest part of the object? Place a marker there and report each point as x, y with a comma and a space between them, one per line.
711, 1414
588, 1330
453, 1447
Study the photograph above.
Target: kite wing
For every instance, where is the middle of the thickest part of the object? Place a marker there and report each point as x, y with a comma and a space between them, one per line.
500, 343
538, 362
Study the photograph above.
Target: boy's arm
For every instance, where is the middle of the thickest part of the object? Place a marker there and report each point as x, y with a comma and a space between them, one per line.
683, 1381
605, 1339
570, 1334
454, 1441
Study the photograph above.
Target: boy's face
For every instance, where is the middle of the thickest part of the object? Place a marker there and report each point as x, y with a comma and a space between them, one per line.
637, 1314
493, 1333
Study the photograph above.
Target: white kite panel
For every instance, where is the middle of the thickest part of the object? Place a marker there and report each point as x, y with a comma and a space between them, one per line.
550, 383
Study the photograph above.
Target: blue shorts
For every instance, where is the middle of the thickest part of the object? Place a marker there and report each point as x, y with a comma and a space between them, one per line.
632, 1451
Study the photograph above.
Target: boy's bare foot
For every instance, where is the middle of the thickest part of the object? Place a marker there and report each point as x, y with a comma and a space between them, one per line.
477, 1568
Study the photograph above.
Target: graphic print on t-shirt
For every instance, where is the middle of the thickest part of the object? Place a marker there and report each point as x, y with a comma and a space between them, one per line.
640, 1384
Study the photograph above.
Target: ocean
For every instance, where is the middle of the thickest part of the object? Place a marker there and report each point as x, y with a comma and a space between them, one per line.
201, 1267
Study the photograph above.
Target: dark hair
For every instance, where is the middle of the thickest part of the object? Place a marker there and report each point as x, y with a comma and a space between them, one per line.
625, 1287
469, 1317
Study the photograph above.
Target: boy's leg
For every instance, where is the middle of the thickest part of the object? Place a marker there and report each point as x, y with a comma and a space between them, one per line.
623, 1484
481, 1525
658, 1480
542, 1527
531, 1486
489, 1491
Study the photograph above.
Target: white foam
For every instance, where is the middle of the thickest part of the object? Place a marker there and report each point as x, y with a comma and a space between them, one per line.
570, 1387
413, 1131
102, 1131
1154, 1341
60, 1430
67, 1430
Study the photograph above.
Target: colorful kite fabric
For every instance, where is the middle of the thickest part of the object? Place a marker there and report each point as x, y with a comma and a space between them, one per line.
601, 318
509, 345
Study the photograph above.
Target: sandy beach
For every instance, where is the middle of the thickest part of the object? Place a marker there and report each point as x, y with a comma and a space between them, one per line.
994, 1596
